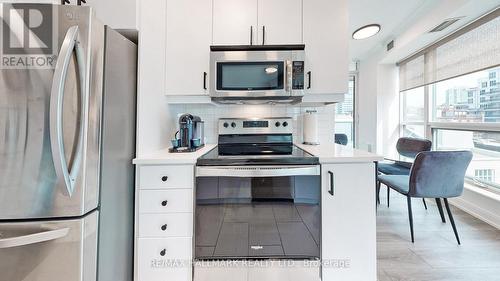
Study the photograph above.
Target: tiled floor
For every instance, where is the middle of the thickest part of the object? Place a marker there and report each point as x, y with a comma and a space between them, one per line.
435, 255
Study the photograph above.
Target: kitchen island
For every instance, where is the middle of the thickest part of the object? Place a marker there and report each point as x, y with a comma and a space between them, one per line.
165, 215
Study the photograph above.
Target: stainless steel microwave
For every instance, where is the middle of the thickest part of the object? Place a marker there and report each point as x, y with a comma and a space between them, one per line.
257, 74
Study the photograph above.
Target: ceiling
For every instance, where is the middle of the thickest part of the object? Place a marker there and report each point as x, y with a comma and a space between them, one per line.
407, 23
390, 14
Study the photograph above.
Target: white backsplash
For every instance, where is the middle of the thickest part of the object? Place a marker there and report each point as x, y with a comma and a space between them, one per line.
211, 114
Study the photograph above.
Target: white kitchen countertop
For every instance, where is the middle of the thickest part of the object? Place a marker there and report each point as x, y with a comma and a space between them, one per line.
335, 153
327, 153
163, 157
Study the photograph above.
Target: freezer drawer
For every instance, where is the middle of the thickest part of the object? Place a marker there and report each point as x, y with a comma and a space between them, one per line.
49, 250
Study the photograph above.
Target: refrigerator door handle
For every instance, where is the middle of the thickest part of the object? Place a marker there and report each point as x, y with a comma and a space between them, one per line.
69, 45
33, 238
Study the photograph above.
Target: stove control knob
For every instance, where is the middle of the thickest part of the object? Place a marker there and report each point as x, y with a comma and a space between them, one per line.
233, 125
225, 125
285, 124
277, 124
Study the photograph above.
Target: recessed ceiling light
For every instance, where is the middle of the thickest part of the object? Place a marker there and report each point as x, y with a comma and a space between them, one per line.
366, 31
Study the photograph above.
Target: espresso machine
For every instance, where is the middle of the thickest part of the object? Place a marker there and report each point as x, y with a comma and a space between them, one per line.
191, 134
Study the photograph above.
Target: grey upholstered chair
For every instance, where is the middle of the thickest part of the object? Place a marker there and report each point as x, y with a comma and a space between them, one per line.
434, 174
407, 147
341, 139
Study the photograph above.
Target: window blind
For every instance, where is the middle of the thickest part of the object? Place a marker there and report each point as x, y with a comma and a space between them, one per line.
473, 48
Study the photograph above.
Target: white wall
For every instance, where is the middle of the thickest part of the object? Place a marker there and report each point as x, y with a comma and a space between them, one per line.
378, 105
481, 204
154, 121
211, 113
387, 108
119, 14
367, 105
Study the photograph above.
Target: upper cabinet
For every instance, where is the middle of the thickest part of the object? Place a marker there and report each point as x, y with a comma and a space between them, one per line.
185, 29
235, 22
326, 38
257, 22
279, 22
188, 40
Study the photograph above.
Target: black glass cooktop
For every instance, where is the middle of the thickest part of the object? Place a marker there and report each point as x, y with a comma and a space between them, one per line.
257, 154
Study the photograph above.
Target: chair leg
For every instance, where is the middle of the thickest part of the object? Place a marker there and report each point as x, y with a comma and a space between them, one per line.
388, 196
440, 208
425, 204
450, 216
410, 216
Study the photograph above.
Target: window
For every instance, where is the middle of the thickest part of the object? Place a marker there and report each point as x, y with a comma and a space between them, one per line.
413, 105
449, 93
414, 131
413, 113
485, 146
485, 175
451, 99
344, 113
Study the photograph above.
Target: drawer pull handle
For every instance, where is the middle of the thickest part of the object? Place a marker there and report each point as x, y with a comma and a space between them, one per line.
164, 203
163, 252
164, 227
164, 178
332, 183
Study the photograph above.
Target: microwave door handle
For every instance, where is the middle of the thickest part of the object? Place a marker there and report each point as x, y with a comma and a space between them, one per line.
263, 35
288, 76
69, 45
29, 239
251, 35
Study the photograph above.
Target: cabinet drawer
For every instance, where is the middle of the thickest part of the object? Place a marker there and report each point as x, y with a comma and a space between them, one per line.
166, 201
166, 225
158, 177
164, 259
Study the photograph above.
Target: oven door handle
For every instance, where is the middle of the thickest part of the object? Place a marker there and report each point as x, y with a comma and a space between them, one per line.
257, 171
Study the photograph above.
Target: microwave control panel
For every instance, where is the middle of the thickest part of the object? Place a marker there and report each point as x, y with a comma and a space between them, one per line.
297, 75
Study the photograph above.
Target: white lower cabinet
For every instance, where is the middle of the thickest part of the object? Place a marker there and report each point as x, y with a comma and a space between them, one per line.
164, 259
348, 250
164, 235
164, 177
166, 225
164, 219
165, 201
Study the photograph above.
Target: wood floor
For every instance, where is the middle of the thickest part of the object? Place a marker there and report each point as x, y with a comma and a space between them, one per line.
435, 255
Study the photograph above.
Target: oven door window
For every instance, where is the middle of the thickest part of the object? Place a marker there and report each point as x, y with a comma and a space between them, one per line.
250, 76
260, 217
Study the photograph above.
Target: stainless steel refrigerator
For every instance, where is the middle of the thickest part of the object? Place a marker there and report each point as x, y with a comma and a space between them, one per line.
67, 140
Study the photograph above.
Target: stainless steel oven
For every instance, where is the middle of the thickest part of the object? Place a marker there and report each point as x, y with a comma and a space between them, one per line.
257, 195
257, 212
244, 73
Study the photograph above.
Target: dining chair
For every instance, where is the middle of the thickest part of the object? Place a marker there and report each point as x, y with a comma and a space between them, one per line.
434, 174
341, 139
407, 147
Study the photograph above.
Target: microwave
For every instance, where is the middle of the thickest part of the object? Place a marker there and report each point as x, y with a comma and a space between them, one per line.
257, 74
